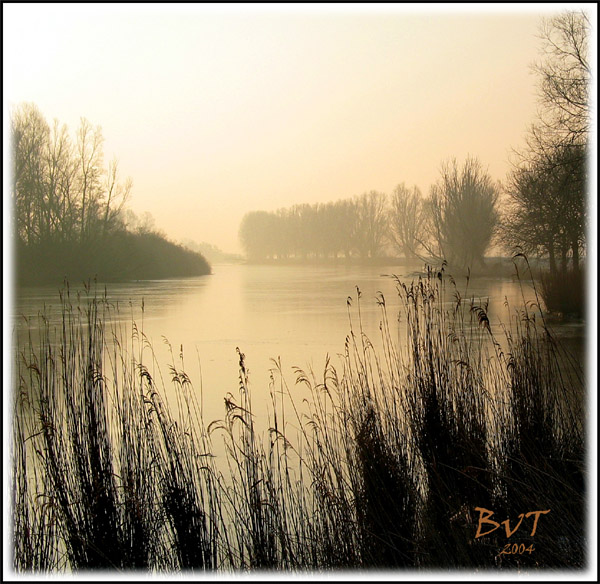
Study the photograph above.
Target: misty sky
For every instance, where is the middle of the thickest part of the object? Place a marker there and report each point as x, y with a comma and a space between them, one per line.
217, 111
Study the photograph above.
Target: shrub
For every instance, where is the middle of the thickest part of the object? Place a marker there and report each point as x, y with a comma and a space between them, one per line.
564, 293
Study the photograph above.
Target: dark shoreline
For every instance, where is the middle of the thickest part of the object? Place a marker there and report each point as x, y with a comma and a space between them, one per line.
119, 257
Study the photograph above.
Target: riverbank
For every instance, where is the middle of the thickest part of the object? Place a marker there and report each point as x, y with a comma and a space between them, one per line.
118, 257
493, 267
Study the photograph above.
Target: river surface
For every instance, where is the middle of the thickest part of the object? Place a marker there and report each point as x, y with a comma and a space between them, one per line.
299, 314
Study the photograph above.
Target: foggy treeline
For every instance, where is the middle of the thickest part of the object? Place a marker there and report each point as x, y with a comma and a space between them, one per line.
70, 218
456, 222
538, 209
459, 221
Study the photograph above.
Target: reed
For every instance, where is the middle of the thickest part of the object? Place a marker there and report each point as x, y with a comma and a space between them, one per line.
377, 464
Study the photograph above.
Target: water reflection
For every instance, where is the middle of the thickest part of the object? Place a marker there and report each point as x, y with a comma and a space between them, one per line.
298, 313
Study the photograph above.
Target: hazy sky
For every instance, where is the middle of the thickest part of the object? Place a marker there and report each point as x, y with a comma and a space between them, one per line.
215, 111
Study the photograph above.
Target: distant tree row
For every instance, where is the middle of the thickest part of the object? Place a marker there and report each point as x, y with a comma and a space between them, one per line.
346, 227
456, 223
545, 210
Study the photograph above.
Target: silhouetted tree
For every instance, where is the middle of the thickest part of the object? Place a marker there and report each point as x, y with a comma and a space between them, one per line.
371, 223
30, 134
327, 225
69, 218
296, 231
117, 195
547, 211
306, 229
564, 77
61, 185
89, 160
61, 192
318, 230
407, 220
346, 225
462, 214
256, 234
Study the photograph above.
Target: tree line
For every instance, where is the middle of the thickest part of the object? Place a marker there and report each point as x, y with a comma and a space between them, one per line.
61, 189
540, 208
69, 214
547, 210
456, 222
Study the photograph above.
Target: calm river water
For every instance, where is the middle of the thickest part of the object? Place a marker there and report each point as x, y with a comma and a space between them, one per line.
296, 313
